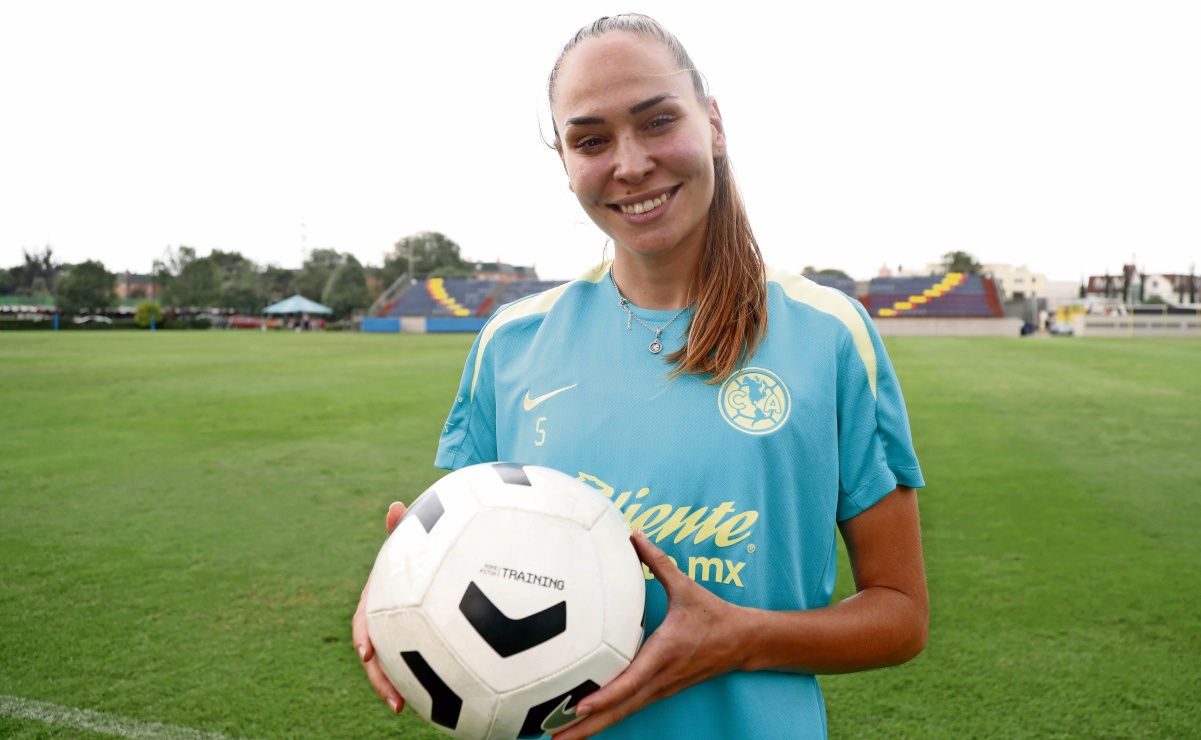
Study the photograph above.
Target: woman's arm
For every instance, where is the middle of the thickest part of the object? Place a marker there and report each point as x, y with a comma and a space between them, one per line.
884, 623
703, 636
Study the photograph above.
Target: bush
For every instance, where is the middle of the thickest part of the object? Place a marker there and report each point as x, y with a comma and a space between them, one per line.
64, 324
147, 310
27, 325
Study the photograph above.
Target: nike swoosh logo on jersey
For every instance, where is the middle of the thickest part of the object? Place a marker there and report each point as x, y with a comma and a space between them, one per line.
561, 718
530, 403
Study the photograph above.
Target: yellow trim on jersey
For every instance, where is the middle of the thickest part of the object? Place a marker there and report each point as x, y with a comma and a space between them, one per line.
838, 305
540, 303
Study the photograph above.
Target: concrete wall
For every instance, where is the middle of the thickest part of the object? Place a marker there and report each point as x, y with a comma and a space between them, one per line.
1138, 326
443, 326
948, 327
384, 325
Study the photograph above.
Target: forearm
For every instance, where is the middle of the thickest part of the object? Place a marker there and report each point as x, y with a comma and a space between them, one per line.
883, 624
876, 627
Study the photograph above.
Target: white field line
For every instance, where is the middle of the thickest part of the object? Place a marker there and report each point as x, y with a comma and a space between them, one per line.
102, 722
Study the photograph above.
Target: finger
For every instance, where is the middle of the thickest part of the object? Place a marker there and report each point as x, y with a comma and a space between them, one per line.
395, 511
383, 687
637, 675
359, 634
597, 720
660, 565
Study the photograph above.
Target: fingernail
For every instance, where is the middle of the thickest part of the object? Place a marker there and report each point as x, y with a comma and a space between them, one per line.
392, 702
362, 653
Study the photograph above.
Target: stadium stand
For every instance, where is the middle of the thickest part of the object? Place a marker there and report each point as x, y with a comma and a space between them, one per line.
841, 282
462, 297
933, 296
522, 288
954, 294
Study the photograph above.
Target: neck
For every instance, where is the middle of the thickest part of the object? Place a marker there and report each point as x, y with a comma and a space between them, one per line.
659, 283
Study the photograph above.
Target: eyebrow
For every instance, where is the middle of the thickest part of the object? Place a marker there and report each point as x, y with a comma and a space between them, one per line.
634, 110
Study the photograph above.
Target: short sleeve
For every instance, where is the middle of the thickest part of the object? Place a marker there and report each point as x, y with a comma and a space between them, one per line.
875, 444
469, 435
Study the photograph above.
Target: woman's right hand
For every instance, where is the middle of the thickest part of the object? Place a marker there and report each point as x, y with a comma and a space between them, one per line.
362, 641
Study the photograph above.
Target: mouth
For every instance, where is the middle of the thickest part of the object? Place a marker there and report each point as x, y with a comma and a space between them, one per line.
644, 206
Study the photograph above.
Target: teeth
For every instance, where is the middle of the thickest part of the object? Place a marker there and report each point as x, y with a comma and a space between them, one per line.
645, 205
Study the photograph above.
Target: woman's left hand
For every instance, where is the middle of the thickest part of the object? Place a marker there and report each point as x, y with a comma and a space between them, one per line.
696, 641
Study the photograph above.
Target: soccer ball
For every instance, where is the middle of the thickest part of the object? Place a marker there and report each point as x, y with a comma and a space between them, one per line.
505, 595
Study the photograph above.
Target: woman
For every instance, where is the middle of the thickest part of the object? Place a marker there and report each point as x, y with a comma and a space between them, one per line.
735, 414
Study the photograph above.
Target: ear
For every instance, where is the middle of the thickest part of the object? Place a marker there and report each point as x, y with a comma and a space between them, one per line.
719, 131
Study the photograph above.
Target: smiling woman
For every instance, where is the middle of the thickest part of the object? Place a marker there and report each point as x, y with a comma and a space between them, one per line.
644, 148
736, 453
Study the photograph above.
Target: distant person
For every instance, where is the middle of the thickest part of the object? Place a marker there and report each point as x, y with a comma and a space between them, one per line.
737, 414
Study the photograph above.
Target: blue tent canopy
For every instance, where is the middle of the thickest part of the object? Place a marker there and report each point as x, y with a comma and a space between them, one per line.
297, 304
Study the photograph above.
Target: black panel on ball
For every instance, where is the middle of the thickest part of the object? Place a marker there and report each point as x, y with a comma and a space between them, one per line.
512, 473
510, 636
447, 703
555, 714
428, 510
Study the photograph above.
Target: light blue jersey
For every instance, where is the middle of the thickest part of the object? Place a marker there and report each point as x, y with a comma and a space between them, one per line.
741, 482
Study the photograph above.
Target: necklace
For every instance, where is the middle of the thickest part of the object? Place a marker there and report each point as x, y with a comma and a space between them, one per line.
656, 347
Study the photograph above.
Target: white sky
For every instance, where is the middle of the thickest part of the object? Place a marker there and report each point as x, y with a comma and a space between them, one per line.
1060, 134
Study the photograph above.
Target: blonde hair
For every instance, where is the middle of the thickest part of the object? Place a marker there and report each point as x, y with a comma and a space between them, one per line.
730, 316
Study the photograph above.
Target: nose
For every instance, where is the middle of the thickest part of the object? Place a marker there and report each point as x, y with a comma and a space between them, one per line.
631, 160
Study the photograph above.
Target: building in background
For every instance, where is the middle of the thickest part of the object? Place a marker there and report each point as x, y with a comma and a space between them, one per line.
1017, 283
503, 272
1132, 286
135, 287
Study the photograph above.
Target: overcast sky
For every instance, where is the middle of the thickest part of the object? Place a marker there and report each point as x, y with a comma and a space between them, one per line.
1063, 135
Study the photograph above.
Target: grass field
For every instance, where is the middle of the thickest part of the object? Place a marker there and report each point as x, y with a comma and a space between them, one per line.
186, 519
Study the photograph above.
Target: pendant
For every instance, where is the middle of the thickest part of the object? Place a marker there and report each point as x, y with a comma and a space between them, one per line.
655, 347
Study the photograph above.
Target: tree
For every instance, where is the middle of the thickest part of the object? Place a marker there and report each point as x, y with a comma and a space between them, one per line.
239, 282
147, 311
86, 286
433, 254
7, 282
167, 270
276, 283
316, 272
960, 262
347, 288
1128, 283
197, 285
37, 275
40, 288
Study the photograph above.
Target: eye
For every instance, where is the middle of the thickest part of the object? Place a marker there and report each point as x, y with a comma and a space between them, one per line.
660, 122
588, 144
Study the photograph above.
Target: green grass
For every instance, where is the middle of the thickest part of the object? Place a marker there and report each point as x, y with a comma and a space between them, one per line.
1060, 529
186, 519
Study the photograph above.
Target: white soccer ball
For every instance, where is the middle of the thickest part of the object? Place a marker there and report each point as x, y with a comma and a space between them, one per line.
505, 595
